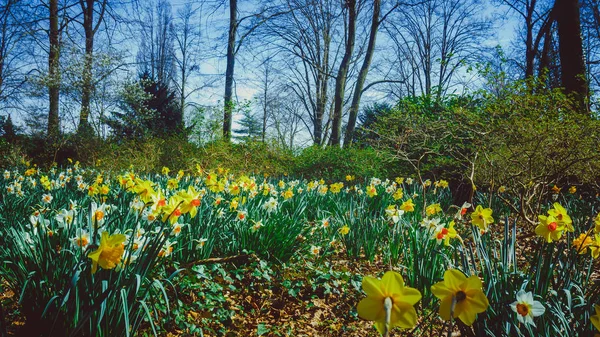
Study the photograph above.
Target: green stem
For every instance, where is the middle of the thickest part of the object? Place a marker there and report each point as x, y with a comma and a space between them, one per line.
387, 305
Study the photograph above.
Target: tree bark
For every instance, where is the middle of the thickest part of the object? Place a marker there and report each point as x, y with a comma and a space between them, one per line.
228, 98
340, 81
570, 47
87, 6
529, 48
265, 98
362, 75
53, 71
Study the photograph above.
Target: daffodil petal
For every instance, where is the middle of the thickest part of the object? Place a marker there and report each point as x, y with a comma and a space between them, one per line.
473, 282
595, 321
116, 239
372, 287
380, 326
403, 315
371, 309
465, 313
477, 301
410, 296
446, 307
537, 309
392, 283
441, 291
454, 279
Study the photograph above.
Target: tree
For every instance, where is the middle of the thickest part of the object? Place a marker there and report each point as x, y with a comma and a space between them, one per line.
590, 26
231, 51
90, 28
54, 35
8, 129
434, 39
367, 118
240, 29
149, 109
266, 98
250, 126
12, 36
308, 38
156, 54
537, 19
362, 74
187, 41
340, 81
571, 52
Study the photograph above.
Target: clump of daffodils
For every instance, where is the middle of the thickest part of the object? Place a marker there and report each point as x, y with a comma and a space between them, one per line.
552, 225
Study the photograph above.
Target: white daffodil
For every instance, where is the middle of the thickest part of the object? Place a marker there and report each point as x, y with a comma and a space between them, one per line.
526, 308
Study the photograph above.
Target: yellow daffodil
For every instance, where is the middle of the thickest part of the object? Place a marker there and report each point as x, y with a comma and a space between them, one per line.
398, 194
482, 217
144, 189
596, 318
288, 194
408, 206
433, 209
572, 189
461, 297
336, 188
190, 200
109, 253
344, 230
388, 292
582, 242
172, 210
561, 216
595, 246
172, 184
371, 191
549, 228
597, 223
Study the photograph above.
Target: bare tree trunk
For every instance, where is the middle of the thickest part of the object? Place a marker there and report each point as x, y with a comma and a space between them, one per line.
529, 49
87, 7
322, 86
228, 98
570, 47
265, 98
340, 81
362, 75
54, 71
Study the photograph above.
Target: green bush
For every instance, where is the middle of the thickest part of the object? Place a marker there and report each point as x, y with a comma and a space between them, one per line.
333, 163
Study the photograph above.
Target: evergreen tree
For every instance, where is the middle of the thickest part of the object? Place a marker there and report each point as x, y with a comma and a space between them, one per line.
149, 109
8, 129
367, 118
250, 126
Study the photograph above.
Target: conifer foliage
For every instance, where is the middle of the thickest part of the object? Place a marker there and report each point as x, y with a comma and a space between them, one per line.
150, 109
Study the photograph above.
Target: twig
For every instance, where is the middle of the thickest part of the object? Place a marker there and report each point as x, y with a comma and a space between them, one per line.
236, 258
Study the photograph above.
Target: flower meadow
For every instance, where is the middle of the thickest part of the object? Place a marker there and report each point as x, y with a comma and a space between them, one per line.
91, 253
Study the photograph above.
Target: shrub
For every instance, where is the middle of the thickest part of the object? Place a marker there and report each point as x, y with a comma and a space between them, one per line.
333, 163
